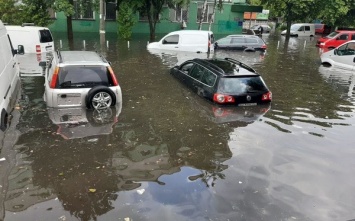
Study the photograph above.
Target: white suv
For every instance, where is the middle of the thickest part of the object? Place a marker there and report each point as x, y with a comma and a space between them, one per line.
80, 78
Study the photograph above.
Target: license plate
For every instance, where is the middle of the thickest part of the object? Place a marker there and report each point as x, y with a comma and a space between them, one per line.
48, 48
247, 104
69, 99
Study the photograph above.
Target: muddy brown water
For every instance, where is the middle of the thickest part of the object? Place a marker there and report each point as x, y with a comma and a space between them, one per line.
167, 154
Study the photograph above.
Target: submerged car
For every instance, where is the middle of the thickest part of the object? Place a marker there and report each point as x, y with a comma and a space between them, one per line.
257, 29
80, 78
341, 57
241, 42
335, 39
223, 81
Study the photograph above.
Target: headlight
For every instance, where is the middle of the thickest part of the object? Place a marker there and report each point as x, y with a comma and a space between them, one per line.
322, 43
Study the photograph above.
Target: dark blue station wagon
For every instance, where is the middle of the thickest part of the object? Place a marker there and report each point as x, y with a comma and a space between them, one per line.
223, 81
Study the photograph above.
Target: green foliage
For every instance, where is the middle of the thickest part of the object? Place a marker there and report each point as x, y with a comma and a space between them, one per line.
125, 20
35, 11
9, 12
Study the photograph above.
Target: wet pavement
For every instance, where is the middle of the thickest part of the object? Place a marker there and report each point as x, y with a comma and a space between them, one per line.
167, 154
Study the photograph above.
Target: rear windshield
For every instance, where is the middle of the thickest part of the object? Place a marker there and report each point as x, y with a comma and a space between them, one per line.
45, 36
84, 76
241, 85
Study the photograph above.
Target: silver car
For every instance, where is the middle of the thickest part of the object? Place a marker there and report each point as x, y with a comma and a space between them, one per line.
80, 79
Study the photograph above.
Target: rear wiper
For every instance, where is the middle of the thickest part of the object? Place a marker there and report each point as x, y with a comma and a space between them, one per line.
65, 84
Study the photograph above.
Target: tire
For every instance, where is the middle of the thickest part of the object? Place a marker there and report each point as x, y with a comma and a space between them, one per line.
3, 123
100, 97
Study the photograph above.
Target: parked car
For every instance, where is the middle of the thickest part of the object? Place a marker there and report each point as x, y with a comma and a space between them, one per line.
241, 42
9, 75
301, 30
35, 39
223, 81
246, 31
185, 40
342, 57
256, 29
335, 39
322, 29
80, 78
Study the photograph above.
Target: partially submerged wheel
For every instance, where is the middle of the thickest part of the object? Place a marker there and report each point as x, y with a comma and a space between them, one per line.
100, 97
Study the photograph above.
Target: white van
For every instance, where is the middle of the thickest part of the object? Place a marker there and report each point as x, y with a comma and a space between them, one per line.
301, 30
9, 75
35, 39
186, 40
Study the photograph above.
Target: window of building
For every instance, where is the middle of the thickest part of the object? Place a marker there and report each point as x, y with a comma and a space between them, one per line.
110, 8
179, 14
208, 13
83, 11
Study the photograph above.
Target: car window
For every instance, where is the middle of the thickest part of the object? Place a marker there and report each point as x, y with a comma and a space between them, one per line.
343, 37
237, 41
186, 67
307, 28
224, 41
353, 37
83, 76
347, 49
241, 85
172, 39
45, 36
252, 40
301, 28
208, 78
332, 35
197, 72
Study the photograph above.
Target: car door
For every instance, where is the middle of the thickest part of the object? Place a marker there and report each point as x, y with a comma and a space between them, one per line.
182, 72
192, 81
342, 38
344, 56
170, 42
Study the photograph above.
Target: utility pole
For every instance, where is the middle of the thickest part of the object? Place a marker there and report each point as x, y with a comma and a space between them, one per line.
102, 23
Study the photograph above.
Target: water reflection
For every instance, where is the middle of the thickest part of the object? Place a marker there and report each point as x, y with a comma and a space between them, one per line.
82, 122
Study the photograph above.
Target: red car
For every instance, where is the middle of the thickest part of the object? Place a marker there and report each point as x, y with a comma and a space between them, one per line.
335, 39
322, 29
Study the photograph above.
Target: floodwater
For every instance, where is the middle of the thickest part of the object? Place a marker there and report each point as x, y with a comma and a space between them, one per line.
167, 154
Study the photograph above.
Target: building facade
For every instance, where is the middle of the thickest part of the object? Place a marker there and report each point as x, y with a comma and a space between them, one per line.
229, 20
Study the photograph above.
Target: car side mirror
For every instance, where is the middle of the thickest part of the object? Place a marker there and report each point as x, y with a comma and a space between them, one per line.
20, 49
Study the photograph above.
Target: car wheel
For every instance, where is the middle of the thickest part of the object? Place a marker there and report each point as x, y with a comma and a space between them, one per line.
3, 123
100, 97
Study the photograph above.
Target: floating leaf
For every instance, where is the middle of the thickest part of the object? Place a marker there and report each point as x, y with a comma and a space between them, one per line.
92, 190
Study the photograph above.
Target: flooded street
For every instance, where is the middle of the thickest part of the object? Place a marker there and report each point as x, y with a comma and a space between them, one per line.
168, 154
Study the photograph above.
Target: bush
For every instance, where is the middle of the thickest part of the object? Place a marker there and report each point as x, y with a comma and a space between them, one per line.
125, 20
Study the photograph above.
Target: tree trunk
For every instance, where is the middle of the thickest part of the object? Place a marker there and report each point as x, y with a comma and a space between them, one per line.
202, 15
213, 13
288, 20
70, 32
70, 29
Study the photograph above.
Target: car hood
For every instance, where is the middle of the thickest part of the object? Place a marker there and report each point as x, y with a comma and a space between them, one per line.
153, 45
327, 55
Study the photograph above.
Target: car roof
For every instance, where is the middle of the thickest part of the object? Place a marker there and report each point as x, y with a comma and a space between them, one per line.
345, 31
242, 36
222, 67
81, 57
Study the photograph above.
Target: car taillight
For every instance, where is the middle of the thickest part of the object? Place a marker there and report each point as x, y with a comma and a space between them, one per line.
113, 76
38, 48
264, 46
222, 98
267, 96
54, 78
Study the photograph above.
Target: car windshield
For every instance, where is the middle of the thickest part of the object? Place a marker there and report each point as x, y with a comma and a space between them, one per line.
295, 27
83, 76
332, 35
241, 85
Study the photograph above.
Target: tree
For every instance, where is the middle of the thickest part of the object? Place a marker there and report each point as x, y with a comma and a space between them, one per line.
337, 12
125, 20
153, 8
10, 12
36, 11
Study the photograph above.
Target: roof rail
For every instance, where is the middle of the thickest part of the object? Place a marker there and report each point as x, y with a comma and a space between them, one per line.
210, 64
241, 64
27, 24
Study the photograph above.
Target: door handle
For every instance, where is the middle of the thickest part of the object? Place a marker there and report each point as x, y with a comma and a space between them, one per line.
176, 47
14, 65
